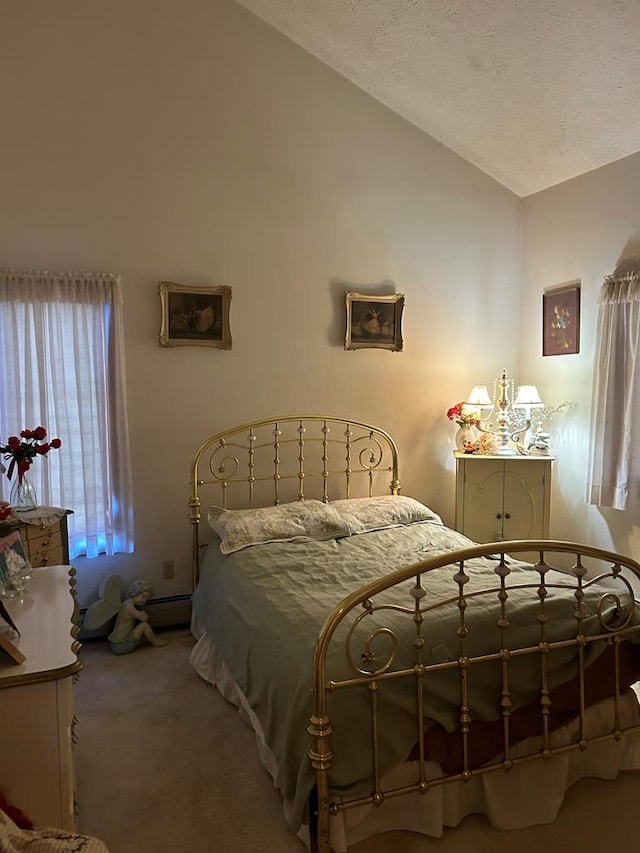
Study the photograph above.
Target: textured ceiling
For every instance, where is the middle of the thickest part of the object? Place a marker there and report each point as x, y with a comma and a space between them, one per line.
533, 92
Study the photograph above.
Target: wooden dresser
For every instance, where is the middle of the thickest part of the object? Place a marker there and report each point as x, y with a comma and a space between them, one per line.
46, 543
36, 700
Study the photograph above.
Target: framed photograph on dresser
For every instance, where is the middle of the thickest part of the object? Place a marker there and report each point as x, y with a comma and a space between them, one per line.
13, 652
14, 564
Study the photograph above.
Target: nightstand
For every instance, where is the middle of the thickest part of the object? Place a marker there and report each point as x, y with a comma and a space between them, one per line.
44, 534
503, 497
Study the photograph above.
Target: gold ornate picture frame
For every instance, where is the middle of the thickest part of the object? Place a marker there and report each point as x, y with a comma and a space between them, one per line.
194, 316
374, 321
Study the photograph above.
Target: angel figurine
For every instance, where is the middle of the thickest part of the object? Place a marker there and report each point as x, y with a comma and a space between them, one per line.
132, 622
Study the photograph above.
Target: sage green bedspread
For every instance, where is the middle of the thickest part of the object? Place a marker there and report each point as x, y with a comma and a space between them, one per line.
263, 608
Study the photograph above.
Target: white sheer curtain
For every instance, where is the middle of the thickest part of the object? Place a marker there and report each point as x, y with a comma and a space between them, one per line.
614, 475
62, 356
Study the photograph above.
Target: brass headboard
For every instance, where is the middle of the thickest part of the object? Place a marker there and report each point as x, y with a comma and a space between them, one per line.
289, 458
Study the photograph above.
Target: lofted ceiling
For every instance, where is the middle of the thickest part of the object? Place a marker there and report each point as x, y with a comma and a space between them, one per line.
533, 92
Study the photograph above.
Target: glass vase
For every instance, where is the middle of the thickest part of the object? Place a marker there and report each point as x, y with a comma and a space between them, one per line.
23, 494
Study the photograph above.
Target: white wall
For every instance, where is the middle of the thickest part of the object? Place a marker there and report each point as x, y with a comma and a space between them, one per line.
583, 229
188, 141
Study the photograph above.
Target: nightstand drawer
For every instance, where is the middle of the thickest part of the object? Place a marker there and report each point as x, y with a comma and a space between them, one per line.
32, 532
44, 546
52, 555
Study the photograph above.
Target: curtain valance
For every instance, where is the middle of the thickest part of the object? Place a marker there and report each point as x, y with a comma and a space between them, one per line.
43, 286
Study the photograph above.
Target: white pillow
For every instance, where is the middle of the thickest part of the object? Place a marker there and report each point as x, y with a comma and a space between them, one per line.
362, 515
240, 528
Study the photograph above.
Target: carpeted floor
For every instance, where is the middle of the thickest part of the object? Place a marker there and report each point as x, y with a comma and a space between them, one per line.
165, 765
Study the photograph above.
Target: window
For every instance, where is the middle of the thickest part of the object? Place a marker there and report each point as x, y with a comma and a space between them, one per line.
62, 356
614, 475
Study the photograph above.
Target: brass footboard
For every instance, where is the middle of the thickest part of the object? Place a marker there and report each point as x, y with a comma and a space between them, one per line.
595, 594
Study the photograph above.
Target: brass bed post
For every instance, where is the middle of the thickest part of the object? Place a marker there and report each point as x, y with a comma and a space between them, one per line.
320, 752
195, 516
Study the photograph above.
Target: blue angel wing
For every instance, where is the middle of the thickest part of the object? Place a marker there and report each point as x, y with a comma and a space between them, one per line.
107, 605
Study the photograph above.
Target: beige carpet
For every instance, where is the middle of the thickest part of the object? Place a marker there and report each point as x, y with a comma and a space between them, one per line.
165, 765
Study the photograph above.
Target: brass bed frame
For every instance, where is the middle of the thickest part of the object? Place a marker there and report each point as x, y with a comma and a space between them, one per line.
326, 457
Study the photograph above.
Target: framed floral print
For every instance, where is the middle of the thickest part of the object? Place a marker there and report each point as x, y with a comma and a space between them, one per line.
561, 320
374, 321
194, 316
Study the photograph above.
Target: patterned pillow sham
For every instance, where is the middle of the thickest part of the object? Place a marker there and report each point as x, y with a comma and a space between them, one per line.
240, 528
363, 515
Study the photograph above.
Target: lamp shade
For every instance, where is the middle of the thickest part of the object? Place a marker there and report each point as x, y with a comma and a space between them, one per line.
528, 396
479, 396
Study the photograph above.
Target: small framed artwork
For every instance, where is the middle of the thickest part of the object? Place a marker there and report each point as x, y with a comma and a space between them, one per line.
374, 321
14, 564
561, 320
13, 652
194, 316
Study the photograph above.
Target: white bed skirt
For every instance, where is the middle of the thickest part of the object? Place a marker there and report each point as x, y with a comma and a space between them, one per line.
505, 798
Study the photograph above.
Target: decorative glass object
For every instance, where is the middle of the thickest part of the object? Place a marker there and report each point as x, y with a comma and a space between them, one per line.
464, 433
23, 494
15, 568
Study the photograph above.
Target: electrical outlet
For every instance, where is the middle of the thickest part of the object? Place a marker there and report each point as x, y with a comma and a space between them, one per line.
168, 569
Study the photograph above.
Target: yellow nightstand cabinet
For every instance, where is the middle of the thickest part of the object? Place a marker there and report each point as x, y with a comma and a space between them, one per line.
36, 701
503, 497
46, 543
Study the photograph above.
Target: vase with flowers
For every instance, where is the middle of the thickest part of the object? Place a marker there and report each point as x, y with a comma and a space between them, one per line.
20, 451
466, 419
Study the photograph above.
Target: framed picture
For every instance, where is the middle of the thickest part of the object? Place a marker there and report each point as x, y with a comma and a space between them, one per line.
194, 316
374, 321
14, 564
14, 653
561, 320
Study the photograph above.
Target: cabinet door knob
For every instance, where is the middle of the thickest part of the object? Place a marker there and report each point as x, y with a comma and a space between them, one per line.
499, 515
507, 515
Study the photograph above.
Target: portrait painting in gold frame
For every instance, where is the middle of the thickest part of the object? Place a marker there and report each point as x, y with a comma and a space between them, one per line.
194, 316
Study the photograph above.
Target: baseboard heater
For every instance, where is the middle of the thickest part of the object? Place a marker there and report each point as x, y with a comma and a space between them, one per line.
170, 611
